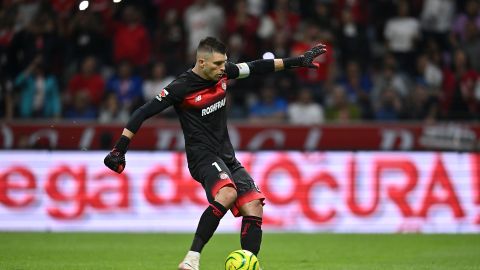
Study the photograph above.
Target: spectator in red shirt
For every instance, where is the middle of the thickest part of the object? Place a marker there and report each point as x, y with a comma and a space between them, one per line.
62, 8
131, 41
458, 99
244, 24
313, 76
87, 80
315, 79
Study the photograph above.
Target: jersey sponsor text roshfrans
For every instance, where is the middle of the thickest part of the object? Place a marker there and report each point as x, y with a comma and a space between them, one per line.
217, 105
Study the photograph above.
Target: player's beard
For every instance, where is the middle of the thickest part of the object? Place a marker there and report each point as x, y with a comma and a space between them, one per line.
217, 76
213, 75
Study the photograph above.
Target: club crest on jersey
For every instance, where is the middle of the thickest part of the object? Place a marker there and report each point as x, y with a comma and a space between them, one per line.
224, 85
223, 175
162, 94
198, 98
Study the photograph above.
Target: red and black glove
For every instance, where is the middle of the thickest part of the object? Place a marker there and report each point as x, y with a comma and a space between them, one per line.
305, 60
311, 54
115, 160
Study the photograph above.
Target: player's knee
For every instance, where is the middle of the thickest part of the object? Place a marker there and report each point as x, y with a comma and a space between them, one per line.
226, 196
257, 208
256, 205
253, 208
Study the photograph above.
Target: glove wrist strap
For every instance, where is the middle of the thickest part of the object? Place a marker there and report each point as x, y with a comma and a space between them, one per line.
292, 62
122, 144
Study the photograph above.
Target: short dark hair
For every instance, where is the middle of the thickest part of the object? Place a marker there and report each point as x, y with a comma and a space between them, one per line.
211, 44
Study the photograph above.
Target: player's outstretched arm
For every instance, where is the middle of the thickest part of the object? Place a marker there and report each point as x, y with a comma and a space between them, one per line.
263, 66
115, 160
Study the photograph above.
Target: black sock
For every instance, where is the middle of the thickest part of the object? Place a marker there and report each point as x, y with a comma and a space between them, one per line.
207, 225
251, 234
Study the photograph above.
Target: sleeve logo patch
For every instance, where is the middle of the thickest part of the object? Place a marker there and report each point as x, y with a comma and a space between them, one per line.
162, 94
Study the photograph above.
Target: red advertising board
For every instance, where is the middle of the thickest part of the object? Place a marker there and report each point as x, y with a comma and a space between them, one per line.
168, 136
348, 192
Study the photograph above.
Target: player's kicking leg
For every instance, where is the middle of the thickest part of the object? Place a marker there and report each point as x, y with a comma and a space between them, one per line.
249, 205
251, 231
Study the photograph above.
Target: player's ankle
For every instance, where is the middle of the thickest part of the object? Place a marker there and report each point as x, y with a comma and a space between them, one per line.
193, 254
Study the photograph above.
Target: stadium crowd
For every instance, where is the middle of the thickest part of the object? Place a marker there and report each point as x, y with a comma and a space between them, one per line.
404, 60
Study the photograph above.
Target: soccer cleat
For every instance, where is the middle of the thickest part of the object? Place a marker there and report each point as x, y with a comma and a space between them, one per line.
191, 261
187, 266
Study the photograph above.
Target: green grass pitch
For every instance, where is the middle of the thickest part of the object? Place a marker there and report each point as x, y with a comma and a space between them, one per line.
158, 251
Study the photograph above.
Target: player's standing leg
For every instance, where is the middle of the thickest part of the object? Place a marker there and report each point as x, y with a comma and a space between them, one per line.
208, 225
221, 194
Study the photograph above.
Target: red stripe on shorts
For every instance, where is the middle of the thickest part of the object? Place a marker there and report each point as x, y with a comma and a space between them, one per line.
246, 198
220, 184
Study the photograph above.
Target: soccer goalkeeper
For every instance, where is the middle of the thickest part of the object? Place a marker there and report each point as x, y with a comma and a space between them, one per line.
198, 96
